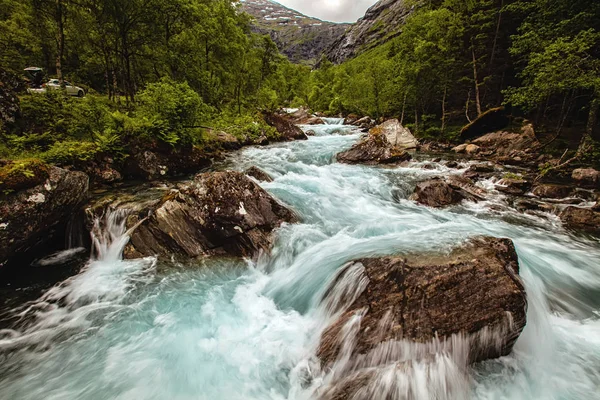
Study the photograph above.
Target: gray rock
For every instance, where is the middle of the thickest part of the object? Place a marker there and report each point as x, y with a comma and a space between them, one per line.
396, 134
32, 217
222, 213
587, 178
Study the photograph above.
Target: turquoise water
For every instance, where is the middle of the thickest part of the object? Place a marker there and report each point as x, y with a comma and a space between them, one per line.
226, 329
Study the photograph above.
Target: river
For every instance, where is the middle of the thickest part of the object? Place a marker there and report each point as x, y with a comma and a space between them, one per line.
226, 329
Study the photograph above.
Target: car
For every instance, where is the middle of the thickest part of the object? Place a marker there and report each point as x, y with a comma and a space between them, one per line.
54, 84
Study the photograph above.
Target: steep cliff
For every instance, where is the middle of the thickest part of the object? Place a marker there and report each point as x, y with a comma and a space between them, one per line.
302, 39
381, 22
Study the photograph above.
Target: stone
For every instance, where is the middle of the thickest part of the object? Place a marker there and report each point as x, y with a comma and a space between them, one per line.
258, 174
549, 191
154, 165
474, 295
585, 219
439, 193
33, 217
515, 186
218, 213
586, 178
284, 126
510, 147
472, 149
374, 149
396, 134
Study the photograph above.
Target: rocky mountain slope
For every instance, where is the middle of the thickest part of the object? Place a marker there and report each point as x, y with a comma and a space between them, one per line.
302, 39
381, 22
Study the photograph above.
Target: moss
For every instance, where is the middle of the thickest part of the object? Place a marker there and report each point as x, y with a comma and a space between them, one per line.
23, 174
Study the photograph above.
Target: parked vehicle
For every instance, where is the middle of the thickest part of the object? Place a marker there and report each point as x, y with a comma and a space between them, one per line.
37, 87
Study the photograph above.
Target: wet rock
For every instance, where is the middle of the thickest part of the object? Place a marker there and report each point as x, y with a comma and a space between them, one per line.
587, 178
586, 219
515, 186
313, 121
548, 191
262, 141
217, 213
32, 217
364, 123
451, 164
310, 133
351, 119
474, 297
396, 134
374, 149
491, 120
440, 193
525, 205
284, 126
258, 174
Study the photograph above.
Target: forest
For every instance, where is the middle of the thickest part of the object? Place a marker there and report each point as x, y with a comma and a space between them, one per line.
454, 60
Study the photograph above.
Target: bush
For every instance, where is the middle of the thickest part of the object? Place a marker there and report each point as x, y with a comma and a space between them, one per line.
172, 111
71, 152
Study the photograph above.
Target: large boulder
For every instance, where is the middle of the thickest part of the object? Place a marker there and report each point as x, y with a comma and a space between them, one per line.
440, 193
585, 219
374, 149
288, 130
491, 120
470, 304
587, 178
510, 146
551, 191
218, 213
32, 217
396, 134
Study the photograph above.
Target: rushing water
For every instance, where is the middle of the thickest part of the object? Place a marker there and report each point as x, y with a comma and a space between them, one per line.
225, 329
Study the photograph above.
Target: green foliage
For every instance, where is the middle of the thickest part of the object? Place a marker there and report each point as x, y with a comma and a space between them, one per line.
70, 152
247, 127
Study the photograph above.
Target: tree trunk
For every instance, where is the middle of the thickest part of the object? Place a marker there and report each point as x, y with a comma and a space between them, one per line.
496, 36
416, 119
467, 106
477, 98
60, 40
403, 107
444, 110
593, 116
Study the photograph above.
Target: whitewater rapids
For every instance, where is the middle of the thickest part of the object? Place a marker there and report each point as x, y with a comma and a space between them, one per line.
224, 329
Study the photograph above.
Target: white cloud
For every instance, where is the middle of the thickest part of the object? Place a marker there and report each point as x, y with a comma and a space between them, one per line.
331, 10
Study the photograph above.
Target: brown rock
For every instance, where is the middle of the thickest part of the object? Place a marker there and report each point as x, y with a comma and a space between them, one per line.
587, 178
586, 219
547, 191
258, 174
510, 147
227, 141
217, 213
440, 193
475, 293
284, 126
374, 149
513, 186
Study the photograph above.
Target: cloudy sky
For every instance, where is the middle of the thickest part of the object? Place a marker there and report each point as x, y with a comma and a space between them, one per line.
330, 10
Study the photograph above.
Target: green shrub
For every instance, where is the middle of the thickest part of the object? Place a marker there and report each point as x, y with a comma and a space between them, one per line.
71, 152
171, 111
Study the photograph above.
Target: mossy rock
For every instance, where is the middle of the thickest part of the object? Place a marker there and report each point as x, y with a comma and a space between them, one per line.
490, 121
23, 174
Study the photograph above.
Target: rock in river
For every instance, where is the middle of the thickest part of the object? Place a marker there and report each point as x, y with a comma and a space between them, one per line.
222, 213
32, 217
471, 302
396, 134
445, 192
284, 126
258, 174
374, 149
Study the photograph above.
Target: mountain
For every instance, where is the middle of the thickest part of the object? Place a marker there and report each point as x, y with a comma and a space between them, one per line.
301, 38
381, 22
